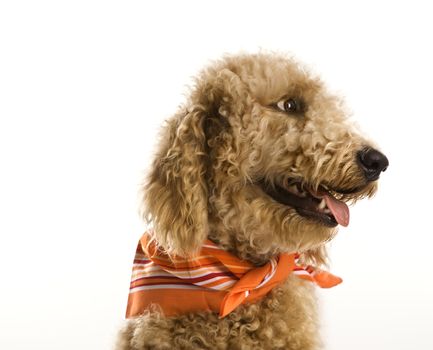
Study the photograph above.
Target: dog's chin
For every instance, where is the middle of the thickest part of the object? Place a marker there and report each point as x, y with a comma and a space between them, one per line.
300, 234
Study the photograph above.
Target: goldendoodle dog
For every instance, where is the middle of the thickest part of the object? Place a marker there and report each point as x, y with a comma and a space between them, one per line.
251, 179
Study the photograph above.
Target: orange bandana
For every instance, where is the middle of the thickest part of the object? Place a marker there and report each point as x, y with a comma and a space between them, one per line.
214, 280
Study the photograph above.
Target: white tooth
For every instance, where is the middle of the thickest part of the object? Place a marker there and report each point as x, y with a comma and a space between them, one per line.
326, 211
322, 204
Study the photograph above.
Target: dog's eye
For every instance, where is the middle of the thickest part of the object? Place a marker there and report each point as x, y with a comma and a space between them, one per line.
291, 105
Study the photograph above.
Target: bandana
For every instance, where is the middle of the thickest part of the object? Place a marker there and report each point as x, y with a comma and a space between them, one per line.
214, 280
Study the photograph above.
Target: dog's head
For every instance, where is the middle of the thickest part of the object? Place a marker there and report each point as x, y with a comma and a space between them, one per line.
261, 159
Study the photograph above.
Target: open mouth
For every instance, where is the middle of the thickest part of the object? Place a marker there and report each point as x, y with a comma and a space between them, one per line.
320, 205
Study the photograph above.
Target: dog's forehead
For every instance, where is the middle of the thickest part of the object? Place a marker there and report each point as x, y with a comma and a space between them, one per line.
271, 77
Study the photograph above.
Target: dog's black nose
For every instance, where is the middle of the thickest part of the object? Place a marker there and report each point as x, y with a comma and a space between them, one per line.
372, 163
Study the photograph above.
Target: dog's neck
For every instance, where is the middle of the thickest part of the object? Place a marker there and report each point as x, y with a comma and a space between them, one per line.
243, 250
259, 254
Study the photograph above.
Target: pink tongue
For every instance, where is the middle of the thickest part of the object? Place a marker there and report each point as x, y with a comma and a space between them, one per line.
338, 208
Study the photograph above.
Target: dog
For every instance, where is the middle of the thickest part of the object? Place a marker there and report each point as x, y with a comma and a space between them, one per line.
259, 165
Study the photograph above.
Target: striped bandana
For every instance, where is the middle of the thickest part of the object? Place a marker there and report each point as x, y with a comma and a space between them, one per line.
214, 280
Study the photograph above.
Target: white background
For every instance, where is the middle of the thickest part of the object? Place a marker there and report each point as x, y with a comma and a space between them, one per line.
84, 86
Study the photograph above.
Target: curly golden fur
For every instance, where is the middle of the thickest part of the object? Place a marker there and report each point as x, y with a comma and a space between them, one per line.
228, 139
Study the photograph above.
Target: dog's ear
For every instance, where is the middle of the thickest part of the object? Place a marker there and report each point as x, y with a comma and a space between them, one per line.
175, 196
